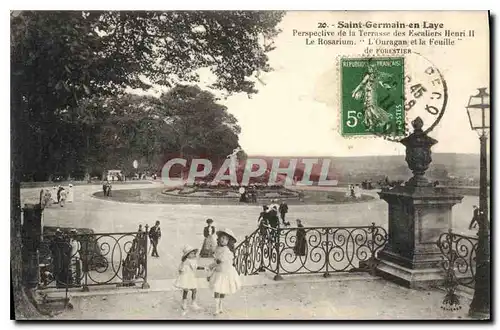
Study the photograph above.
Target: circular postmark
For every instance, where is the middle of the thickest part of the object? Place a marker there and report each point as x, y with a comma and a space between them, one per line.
426, 94
381, 95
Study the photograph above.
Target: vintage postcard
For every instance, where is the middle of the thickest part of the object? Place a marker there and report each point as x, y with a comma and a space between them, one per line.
250, 165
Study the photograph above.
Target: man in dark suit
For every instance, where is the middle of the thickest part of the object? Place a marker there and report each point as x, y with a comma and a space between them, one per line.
106, 188
283, 211
475, 218
59, 189
263, 223
154, 236
273, 218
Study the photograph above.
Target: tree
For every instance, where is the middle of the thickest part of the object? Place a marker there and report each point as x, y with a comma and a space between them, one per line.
242, 156
438, 172
59, 58
185, 122
130, 130
199, 124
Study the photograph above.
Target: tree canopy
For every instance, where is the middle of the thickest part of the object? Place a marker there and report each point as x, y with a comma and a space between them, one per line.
184, 122
62, 60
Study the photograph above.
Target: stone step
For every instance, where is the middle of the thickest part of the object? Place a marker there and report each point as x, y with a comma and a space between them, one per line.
166, 285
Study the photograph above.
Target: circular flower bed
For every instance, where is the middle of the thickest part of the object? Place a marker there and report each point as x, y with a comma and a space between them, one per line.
216, 193
226, 191
188, 191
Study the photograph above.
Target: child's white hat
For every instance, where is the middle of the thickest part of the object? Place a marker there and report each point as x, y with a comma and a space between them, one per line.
228, 232
187, 250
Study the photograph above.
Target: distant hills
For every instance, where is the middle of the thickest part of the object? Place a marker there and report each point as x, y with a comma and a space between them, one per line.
461, 168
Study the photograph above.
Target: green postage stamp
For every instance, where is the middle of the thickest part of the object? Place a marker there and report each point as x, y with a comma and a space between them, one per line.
372, 96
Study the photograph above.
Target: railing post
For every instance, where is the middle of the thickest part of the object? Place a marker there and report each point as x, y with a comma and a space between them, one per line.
451, 300
66, 289
246, 255
372, 263
449, 238
277, 277
372, 247
86, 269
262, 242
145, 284
327, 252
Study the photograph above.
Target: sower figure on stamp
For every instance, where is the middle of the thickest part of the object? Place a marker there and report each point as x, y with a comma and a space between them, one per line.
375, 116
154, 236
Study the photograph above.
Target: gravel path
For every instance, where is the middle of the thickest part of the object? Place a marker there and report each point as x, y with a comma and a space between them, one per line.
337, 300
183, 223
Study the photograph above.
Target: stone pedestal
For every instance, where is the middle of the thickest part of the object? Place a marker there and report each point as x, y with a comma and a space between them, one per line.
31, 234
418, 214
417, 217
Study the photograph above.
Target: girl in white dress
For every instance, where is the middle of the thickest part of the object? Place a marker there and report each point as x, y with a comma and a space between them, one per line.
225, 279
76, 261
53, 194
348, 192
69, 197
62, 198
357, 191
186, 280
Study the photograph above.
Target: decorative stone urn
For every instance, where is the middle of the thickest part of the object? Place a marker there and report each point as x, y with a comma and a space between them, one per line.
418, 153
418, 214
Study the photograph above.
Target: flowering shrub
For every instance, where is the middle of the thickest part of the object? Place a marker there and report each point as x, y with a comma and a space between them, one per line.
188, 191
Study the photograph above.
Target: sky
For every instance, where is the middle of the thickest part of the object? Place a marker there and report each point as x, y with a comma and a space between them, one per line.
296, 112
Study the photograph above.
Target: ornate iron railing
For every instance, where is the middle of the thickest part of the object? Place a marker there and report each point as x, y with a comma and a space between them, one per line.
84, 260
459, 257
310, 250
251, 255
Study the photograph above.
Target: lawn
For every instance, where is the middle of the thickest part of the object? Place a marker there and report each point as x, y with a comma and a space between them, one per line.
155, 196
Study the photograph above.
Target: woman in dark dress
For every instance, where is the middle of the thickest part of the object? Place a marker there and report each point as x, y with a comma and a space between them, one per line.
209, 244
263, 222
300, 242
